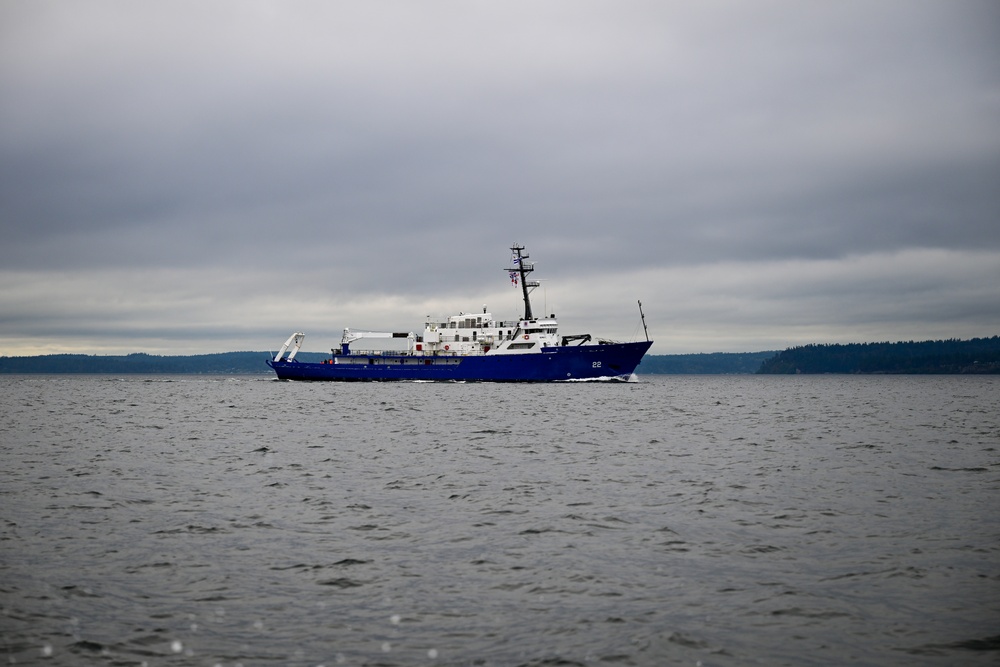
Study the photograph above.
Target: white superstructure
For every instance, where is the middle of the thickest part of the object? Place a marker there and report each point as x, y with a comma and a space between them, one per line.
479, 333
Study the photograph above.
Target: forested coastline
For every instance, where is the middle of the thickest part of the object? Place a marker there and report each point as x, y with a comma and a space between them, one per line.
975, 356
245, 363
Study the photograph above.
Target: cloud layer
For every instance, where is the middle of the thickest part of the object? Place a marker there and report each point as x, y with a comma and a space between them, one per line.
197, 177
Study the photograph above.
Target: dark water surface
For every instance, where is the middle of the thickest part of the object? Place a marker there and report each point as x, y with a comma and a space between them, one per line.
822, 520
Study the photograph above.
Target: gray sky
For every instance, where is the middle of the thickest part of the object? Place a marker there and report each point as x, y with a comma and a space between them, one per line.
184, 177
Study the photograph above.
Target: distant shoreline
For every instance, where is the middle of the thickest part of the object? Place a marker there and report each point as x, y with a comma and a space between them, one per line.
976, 356
252, 363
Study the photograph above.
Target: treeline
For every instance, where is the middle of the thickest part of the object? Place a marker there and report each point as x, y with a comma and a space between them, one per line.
714, 363
236, 363
978, 355
242, 363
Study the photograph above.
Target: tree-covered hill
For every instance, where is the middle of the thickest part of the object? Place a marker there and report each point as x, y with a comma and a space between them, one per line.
978, 355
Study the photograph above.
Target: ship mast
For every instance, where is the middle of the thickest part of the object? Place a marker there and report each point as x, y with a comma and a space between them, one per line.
523, 268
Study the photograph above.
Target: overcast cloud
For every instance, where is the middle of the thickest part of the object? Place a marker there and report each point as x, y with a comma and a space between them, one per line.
184, 177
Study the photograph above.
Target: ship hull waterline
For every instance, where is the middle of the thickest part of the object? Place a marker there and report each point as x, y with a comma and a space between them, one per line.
553, 364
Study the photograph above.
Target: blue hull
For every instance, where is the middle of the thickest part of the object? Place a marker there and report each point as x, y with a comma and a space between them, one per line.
552, 364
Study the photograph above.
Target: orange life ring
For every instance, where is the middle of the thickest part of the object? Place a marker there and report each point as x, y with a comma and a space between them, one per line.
446, 348
525, 336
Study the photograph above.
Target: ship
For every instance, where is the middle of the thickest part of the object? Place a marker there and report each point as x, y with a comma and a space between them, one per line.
474, 348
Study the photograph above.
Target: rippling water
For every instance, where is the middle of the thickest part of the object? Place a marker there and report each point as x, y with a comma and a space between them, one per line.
821, 520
